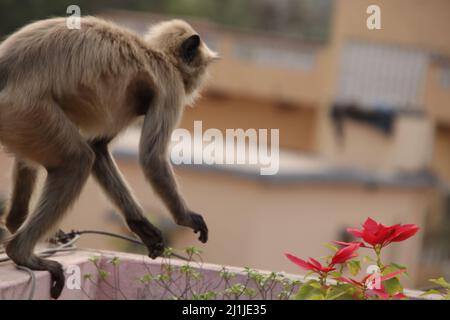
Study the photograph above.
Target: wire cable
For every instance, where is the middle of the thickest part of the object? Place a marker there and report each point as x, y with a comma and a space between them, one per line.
33, 281
67, 243
114, 235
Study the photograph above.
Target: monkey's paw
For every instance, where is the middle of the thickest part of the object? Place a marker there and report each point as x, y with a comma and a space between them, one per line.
156, 250
197, 223
150, 236
154, 242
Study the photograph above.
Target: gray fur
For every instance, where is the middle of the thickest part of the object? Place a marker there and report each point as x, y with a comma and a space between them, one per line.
64, 91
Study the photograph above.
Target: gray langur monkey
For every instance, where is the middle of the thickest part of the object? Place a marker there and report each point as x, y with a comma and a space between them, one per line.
65, 94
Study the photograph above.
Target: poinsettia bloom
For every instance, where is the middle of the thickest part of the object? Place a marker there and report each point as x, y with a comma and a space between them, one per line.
377, 234
341, 256
345, 254
311, 265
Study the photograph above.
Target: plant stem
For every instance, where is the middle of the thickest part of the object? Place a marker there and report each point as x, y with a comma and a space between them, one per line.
378, 253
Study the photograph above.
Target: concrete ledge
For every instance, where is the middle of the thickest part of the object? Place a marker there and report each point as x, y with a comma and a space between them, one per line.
123, 281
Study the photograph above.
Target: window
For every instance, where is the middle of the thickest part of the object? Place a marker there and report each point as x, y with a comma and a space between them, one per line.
374, 75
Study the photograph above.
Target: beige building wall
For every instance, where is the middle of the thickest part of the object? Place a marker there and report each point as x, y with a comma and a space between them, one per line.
268, 80
259, 222
415, 24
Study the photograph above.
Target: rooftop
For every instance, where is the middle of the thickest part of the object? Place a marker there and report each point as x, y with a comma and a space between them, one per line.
294, 167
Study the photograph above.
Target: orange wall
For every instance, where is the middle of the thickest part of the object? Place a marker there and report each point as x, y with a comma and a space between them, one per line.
297, 125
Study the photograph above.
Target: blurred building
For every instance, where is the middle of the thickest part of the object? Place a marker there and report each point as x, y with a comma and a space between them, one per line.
364, 123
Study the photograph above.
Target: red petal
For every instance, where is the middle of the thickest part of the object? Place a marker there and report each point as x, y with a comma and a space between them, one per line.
345, 254
392, 275
342, 243
405, 231
370, 238
315, 263
371, 225
327, 269
301, 263
351, 281
385, 234
355, 232
400, 296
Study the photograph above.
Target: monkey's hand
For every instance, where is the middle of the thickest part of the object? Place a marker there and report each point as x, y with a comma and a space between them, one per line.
197, 223
150, 236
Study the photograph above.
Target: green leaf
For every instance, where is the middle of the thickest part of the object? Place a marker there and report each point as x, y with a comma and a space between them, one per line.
397, 267
305, 292
225, 274
249, 292
103, 274
331, 247
115, 261
147, 278
308, 292
191, 251
354, 266
335, 274
393, 286
186, 268
315, 284
168, 252
340, 292
432, 291
367, 259
441, 282
94, 259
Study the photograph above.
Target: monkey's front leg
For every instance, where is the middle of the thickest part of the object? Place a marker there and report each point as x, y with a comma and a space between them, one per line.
106, 173
153, 156
159, 171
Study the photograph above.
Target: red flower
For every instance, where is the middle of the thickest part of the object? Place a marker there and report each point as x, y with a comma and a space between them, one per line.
311, 265
340, 256
377, 234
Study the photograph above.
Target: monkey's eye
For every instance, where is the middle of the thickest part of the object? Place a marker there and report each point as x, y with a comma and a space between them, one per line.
189, 48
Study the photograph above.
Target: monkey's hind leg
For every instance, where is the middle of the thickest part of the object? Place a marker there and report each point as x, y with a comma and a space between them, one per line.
53, 141
61, 188
24, 181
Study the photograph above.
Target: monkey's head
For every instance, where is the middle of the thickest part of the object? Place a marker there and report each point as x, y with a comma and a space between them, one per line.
184, 47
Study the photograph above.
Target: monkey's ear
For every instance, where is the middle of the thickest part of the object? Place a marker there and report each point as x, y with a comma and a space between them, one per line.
189, 48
